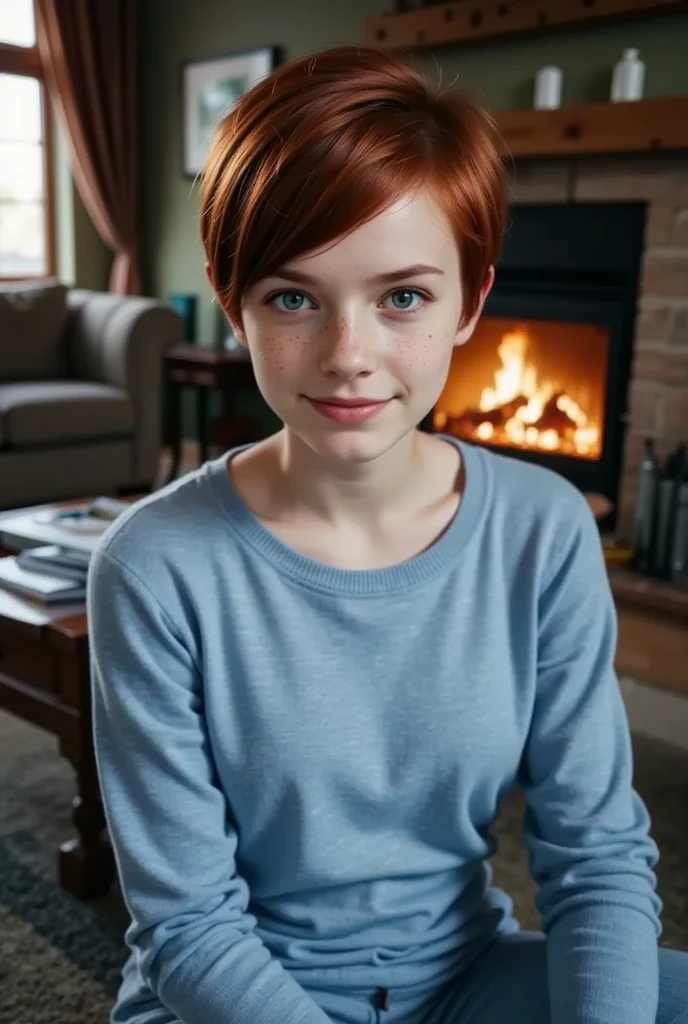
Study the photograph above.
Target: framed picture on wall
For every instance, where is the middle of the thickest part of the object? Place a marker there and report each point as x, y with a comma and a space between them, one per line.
209, 89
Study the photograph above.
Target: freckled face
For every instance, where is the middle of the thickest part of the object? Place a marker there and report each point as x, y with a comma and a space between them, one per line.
352, 325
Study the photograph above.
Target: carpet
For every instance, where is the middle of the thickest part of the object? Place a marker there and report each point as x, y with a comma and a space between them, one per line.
60, 959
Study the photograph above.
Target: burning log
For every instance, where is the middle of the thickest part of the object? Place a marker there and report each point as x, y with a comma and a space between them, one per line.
554, 418
470, 419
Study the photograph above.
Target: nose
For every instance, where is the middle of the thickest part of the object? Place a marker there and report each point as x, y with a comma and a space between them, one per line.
347, 351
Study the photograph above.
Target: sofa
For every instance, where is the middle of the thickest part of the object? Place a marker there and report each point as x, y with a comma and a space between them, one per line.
80, 392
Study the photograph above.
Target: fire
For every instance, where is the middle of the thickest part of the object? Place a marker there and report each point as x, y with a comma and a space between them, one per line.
521, 410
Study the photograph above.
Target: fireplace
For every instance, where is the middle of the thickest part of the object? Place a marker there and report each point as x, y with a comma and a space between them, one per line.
546, 375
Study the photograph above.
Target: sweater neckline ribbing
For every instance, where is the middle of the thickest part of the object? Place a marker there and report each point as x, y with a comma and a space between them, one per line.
440, 555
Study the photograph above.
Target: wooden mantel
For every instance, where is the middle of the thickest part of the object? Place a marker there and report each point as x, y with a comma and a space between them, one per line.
655, 124
648, 125
462, 22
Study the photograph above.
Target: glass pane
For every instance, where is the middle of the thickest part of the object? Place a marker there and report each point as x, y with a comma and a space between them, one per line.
21, 171
20, 109
17, 24
22, 239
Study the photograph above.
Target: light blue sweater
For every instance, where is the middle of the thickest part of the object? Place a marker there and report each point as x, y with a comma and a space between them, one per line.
300, 764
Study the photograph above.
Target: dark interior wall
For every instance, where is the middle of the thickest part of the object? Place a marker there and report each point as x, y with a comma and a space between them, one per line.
499, 73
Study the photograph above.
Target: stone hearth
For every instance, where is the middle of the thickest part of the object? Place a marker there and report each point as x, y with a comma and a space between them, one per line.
659, 384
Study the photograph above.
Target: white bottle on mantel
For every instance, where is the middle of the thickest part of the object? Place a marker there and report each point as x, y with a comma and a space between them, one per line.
628, 78
548, 83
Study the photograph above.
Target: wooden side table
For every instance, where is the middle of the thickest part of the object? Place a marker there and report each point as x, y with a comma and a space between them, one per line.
206, 370
45, 679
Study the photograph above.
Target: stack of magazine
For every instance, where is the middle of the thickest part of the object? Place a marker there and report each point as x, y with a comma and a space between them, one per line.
50, 573
56, 547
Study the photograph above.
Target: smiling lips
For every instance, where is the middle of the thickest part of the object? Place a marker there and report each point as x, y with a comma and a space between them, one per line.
349, 410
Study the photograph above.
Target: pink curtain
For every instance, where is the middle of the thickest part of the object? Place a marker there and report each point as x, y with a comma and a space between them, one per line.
89, 54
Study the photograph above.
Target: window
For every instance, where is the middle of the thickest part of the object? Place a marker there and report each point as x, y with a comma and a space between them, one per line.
26, 243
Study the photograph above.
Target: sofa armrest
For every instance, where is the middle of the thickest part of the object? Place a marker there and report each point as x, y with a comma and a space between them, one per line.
122, 340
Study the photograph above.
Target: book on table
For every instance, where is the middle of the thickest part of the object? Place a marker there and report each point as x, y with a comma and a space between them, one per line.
78, 527
55, 560
40, 586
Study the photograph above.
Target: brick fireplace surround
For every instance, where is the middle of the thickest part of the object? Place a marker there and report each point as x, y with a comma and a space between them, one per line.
658, 405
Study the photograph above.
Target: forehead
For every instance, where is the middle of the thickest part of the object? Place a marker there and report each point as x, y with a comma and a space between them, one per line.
413, 229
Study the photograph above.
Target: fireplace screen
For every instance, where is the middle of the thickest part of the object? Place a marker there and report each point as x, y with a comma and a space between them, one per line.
536, 385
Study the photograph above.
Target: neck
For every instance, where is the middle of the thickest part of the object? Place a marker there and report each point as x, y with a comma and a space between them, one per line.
357, 494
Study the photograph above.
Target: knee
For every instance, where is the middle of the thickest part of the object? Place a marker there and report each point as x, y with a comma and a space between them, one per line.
673, 987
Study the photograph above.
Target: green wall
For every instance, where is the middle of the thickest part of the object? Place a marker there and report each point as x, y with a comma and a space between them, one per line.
188, 29
499, 73
83, 259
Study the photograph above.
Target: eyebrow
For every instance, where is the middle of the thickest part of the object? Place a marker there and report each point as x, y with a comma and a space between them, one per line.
416, 270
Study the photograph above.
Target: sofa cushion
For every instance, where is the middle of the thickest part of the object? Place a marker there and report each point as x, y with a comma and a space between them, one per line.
56, 411
33, 320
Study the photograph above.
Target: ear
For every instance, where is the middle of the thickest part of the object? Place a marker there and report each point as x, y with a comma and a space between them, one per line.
466, 330
237, 330
239, 333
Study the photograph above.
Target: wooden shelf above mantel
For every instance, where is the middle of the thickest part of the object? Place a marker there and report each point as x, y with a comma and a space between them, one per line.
645, 126
473, 21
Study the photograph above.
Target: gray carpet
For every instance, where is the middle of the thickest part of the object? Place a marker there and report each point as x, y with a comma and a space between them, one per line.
60, 959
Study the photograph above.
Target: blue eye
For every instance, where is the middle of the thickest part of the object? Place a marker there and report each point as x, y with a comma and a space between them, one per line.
406, 296
292, 301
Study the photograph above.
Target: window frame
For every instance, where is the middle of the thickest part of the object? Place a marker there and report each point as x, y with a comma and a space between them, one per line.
25, 60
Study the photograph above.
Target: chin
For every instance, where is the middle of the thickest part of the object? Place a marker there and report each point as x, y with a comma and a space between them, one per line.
351, 445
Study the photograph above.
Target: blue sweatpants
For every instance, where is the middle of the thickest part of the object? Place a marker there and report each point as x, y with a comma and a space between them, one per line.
508, 983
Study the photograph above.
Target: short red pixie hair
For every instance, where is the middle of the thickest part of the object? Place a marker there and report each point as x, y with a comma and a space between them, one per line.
328, 141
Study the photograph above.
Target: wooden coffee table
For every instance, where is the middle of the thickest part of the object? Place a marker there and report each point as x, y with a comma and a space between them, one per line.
45, 679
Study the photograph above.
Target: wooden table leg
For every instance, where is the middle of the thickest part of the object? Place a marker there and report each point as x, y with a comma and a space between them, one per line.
228, 402
86, 863
175, 430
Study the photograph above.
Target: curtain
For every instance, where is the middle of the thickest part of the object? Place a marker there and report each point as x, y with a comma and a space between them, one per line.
89, 54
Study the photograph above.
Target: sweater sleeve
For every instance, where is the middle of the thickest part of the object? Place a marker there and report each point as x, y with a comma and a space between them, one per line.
586, 828
169, 821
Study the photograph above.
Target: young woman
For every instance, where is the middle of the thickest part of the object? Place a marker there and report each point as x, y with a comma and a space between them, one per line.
322, 660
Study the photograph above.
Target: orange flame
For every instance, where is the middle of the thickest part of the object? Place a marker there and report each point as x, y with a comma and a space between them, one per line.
527, 412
